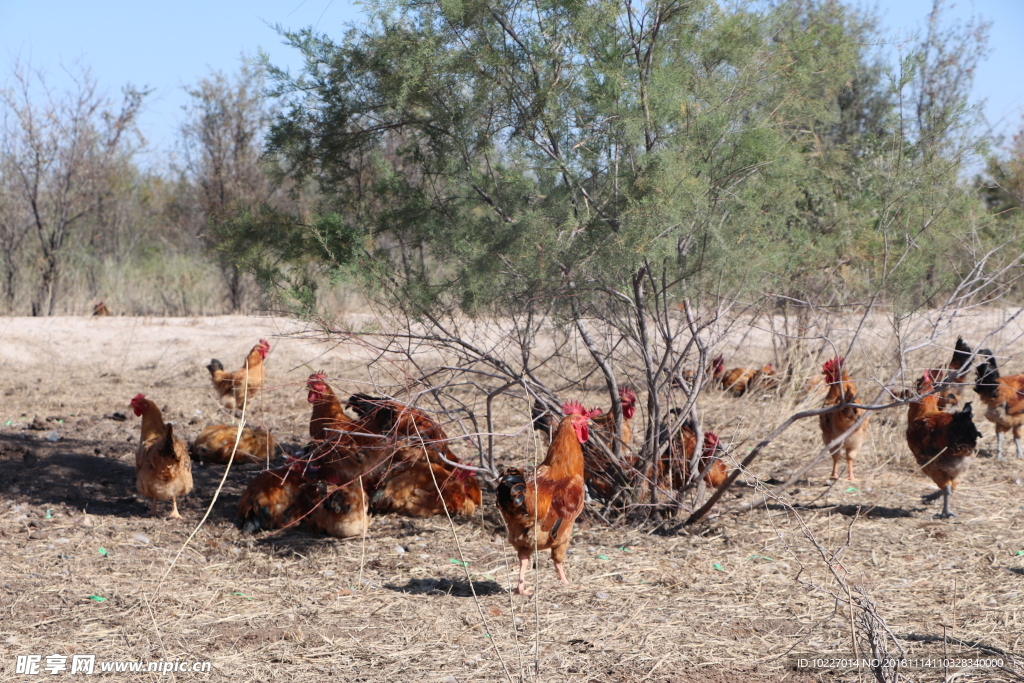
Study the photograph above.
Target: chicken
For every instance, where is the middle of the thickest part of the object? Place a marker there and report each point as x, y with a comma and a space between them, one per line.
411, 489
329, 505
943, 443
674, 466
233, 388
739, 381
328, 413
268, 499
541, 508
716, 368
955, 381
100, 309
841, 391
1004, 398
216, 442
163, 470
397, 420
603, 476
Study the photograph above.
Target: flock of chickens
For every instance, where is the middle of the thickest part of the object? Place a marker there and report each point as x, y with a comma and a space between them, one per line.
392, 457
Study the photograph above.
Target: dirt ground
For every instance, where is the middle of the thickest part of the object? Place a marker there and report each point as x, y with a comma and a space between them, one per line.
739, 598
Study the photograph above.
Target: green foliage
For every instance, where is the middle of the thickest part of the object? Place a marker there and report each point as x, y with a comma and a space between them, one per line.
483, 154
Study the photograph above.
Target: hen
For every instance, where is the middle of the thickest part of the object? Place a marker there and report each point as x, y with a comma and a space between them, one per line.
267, 501
739, 381
163, 470
337, 508
604, 477
233, 387
1004, 399
943, 443
411, 488
841, 391
541, 508
216, 442
674, 466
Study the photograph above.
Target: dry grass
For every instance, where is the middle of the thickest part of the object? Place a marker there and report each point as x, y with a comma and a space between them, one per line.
723, 602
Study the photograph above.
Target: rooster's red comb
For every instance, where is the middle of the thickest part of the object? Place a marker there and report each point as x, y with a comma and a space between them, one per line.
832, 367
318, 376
627, 394
710, 440
139, 397
265, 343
576, 408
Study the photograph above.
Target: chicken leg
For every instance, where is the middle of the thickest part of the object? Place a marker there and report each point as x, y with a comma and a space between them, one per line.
999, 446
560, 568
524, 564
174, 508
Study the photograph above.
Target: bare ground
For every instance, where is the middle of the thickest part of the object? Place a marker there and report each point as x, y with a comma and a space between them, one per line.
427, 600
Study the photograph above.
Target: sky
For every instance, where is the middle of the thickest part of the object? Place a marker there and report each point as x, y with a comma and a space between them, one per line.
167, 46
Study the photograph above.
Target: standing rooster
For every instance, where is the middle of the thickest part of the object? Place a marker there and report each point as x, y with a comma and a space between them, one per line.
943, 443
1004, 397
674, 466
163, 470
841, 391
234, 387
540, 509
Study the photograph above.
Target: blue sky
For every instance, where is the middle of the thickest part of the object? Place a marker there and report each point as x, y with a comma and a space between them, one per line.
165, 46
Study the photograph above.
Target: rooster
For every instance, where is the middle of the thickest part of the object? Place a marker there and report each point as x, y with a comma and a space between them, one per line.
163, 469
217, 442
716, 368
943, 443
267, 500
233, 388
1004, 398
100, 309
841, 391
541, 508
604, 477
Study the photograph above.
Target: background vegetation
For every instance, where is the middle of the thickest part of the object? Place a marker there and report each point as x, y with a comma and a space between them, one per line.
473, 155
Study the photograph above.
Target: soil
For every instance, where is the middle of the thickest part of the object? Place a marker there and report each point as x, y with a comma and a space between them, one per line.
740, 597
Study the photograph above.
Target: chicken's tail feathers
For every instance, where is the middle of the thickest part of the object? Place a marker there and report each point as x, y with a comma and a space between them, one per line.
511, 490
215, 366
961, 355
962, 428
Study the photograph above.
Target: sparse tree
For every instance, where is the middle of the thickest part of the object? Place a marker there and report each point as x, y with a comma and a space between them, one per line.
58, 149
222, 139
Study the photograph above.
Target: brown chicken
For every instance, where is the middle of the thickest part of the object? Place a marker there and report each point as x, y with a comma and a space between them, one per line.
942, 443
716, 368
267, 502
100, 309
234, 387
674, 466
739, 381
841, 391
337, 508
1004, 399
603, 476
216, 442
163, 470
399, 421
540, 509
328, 413
411, 488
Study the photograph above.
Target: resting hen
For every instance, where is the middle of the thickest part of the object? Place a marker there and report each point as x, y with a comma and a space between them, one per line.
841, 391
163, 470
674, 466
604, 477
337, 508
943, 443
740, 381
233, 388
216, 443
1004, 398
541, 508
267, 501
411, 489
